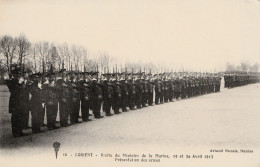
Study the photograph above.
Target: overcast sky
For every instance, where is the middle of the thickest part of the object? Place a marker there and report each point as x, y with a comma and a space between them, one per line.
195, 34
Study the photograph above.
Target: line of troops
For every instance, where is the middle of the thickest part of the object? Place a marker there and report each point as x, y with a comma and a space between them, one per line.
72, 92
236, 79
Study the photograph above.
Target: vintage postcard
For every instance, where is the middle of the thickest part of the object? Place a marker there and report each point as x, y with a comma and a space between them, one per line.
130, 83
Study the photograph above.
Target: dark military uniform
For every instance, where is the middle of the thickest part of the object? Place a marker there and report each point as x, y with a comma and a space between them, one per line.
107, 97
157, 91
85, 101
124, 93
171, 90
150, 92
144, 93
25, 103
166, 90
75, 102
183, 88
162, 91
131, 94
51, 101
116, 97
64, 93
189, 87
177, 90
138, 95
36, 107
96, 98
15, 106
44, 95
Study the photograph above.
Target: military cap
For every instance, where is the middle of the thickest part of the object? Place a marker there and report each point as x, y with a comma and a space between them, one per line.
62, 70
114, 74
94, 73
50, 74
107, 74
77, 73
36, 75
85, 73
71, 72
15, 69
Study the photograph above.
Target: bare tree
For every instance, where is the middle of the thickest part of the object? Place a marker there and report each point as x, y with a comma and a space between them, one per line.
64, 55
103, 60
23, 48
77, 57
255, 67
230, 67
33, 57
91, 65
8, 46
244, 66
52, 57
43, 51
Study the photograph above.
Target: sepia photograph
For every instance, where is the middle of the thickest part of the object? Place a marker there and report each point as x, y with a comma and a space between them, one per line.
105, 83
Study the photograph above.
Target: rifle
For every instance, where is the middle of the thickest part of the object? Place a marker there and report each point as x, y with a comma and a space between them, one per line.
62, 71
116, 71
51, 71
43, 70
22, 71
84, 73
97, 73
125, 73
132, 73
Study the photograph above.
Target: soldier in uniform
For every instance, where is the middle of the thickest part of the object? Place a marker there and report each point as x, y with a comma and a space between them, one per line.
96, 95
124, 92
204, 85
37, 103
218, 83
199, 85
157, 89
208, 84
183, 87
51, 101
116, 94
107, 94
166, 88
75, 99
25, 99
139, 91
145, 90
64, 95
150, 89
131, 92
162, 88
177, 86
15, 107
227, 79
45, 85
171, 87
189, 87
85, 98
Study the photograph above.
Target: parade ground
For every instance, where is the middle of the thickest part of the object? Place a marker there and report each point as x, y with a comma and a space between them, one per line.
229, 120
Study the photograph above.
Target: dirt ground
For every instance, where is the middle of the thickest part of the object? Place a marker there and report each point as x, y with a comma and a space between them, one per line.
229, 119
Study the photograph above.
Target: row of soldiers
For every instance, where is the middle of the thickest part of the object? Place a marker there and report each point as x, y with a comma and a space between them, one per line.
72, 92
235, 79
